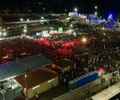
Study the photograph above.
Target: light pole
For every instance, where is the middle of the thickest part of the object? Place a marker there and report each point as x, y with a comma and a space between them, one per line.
25, 77
25, 29
96, 10
3, 33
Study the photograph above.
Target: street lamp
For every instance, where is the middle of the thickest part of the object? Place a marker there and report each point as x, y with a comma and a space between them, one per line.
75, 9
21, 19
96, 10
42, 17
4, 33
25, 30
96, 13
84, 39
25, 76
96, 7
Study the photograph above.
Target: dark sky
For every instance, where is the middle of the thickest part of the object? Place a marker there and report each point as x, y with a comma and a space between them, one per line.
86, 6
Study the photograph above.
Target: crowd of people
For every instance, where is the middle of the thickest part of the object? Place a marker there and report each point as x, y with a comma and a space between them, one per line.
96, 52
15, 48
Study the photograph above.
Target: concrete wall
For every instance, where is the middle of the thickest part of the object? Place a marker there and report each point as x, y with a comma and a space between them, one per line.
42, 87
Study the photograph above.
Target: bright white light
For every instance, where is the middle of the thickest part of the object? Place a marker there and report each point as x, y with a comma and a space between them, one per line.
25, 30
96, 7
4, 33
75, 9
0, 33
74, 34
71, 25
70, 31
25, 75
21, 19
28, 20
42, 17
95, 13
39, 33
84, 40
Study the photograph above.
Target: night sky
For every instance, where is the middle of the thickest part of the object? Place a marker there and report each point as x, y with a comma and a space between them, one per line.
84, 6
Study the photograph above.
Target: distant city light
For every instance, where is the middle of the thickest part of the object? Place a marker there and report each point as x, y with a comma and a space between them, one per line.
75, 9
96, 7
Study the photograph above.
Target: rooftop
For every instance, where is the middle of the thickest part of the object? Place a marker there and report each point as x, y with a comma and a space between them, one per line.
34, 78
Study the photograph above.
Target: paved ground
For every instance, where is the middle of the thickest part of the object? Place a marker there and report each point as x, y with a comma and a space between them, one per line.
52, 93
88, 90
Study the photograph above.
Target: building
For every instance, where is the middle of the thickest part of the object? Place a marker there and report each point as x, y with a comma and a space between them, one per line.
12, 69
64, 64
19, 66
36, 82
